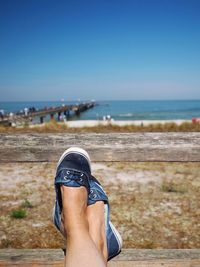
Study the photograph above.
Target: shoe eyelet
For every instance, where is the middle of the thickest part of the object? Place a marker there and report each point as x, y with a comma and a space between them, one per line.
82, 174
95, 195
91, 191
68, 172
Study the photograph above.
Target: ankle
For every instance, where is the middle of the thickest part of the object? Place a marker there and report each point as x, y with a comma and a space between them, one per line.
101, 245
74, 209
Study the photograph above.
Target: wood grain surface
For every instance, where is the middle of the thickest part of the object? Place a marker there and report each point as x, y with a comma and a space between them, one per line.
128, 258
135, 147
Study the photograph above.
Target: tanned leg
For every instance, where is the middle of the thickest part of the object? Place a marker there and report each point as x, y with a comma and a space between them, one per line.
96, 220
81, 249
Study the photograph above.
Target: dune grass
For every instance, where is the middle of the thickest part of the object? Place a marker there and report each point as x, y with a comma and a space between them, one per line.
55, 127
18, 213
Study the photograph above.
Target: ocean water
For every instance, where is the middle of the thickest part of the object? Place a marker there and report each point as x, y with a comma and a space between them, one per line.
123, 110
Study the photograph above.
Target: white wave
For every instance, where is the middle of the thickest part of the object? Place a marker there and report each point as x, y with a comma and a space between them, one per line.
126, 115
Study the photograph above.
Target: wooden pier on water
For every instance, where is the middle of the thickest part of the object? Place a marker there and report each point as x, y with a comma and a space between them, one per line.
22, 118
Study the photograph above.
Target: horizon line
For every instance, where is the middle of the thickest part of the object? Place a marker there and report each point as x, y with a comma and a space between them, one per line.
100, 100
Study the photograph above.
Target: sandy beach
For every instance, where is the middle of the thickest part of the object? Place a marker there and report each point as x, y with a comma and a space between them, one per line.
121, 123
111, 126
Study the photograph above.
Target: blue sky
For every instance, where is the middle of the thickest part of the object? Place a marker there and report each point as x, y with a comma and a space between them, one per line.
130, 49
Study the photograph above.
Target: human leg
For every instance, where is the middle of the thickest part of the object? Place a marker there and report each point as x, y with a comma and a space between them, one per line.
99, 222
80, 246
113, 238
74, 165
97, 228
72, 188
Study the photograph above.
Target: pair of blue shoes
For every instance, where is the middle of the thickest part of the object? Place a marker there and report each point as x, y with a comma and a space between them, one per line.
74, 170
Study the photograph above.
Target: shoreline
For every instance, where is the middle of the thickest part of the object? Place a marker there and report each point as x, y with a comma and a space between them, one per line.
106, 126
121, 123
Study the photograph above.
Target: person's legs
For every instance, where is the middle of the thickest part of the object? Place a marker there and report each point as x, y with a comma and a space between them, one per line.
97, 229
81, 249
98, 203
83, 214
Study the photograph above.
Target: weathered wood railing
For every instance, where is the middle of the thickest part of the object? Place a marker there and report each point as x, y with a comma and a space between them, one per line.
145, 147
127, 258
166, 147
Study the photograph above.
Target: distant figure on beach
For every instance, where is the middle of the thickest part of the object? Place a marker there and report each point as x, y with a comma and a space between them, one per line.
2, 113
107, 118
11, 115
26, 111
82, 213
32, 109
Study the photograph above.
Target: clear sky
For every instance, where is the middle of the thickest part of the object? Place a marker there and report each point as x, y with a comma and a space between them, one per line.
99, 49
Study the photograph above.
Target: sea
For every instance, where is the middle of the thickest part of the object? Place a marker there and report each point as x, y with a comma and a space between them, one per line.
122, 109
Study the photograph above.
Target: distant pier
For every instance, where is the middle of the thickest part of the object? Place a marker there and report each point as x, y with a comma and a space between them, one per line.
58, 113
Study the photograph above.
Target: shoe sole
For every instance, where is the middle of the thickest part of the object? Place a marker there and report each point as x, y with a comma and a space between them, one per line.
117, 235
76, 150
114, 230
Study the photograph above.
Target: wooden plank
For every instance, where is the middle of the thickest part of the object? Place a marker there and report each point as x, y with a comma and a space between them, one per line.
162, 263
156, 263
128, 258
181, 147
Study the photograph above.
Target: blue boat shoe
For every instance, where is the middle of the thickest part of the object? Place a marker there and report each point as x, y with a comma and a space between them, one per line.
74, 169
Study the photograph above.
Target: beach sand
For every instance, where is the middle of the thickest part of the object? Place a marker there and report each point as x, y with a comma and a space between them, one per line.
154, 205
94, 123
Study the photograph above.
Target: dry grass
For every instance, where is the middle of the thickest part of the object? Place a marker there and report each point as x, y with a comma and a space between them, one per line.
54, 127
154, 205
